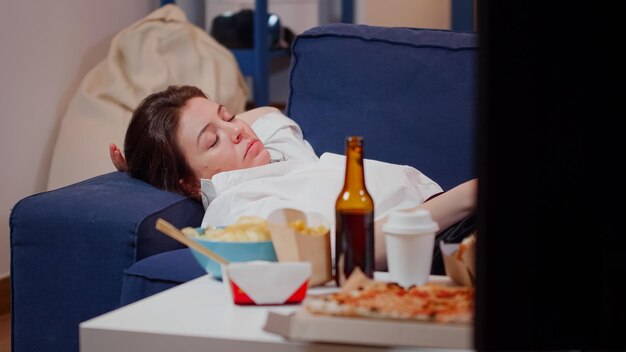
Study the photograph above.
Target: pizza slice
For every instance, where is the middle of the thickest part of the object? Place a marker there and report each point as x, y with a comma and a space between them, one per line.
429, 302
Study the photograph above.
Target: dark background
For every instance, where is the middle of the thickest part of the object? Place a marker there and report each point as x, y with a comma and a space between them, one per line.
550, 154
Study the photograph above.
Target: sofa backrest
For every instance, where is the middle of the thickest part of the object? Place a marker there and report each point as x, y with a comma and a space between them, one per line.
409, 92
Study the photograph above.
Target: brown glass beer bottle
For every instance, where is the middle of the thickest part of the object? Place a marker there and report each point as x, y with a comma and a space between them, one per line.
354, 218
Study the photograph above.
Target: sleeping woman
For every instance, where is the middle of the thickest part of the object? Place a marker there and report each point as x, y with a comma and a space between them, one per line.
258, 161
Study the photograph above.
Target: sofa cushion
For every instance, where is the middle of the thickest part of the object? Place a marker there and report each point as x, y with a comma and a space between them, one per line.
159, 273
409, 92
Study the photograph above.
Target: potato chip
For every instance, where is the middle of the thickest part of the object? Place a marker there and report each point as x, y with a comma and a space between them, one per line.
246, 229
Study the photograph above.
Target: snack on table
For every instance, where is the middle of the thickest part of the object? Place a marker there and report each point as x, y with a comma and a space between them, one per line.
246, 229
301, 227
429, 302
459, 260
467, 243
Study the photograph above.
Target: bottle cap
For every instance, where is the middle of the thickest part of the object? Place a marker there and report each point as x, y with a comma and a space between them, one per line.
410, 222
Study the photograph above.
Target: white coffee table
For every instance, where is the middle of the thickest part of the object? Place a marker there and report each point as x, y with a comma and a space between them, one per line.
196, 316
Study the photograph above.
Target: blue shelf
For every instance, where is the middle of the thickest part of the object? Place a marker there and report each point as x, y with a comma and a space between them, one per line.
246, 58
255, 62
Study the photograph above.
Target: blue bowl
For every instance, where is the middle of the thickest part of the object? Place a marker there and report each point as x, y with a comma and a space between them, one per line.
233, 252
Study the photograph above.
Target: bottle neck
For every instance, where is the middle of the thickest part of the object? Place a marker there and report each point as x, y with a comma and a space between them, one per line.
355, 173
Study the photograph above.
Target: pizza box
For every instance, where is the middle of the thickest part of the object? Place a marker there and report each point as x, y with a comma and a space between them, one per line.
300, 325
304, 326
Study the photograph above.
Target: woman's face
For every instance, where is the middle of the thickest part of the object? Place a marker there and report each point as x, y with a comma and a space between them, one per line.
213, 140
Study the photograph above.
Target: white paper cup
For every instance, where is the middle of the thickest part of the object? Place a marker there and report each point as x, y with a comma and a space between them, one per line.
410, 240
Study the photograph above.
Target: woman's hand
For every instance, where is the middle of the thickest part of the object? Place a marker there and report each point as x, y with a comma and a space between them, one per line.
117, 158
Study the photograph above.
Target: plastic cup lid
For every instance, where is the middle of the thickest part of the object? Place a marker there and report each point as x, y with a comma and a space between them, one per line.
410, 222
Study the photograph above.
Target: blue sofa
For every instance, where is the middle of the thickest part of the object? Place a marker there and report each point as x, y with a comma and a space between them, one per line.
88, 248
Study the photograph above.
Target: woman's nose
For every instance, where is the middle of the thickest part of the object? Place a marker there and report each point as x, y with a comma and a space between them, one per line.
236, 134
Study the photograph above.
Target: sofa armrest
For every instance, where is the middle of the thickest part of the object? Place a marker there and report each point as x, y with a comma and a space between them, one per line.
70, 246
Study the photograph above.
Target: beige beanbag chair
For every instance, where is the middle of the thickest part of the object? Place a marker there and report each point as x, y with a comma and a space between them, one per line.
160, 50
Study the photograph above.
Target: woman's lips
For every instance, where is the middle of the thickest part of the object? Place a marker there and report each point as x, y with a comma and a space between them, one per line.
253, 147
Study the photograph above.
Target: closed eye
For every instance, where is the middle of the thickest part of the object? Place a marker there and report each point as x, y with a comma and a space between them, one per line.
211, 145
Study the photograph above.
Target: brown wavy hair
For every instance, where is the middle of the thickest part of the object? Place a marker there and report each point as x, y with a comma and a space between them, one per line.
151, 148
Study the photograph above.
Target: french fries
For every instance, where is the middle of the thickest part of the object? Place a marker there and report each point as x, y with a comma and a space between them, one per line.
301, 227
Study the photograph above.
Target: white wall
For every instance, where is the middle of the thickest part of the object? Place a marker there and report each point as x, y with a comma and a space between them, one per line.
46, 47
404, 13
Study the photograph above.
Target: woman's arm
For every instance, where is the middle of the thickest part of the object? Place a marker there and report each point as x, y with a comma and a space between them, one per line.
447, 209
452, 206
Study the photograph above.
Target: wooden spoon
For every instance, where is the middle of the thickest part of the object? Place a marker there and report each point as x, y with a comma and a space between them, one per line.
176, 234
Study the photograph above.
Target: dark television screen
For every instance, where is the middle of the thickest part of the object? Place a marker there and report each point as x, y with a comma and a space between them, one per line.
550, 152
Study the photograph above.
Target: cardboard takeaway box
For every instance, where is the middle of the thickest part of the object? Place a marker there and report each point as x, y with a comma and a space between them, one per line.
459, 260
293, 246
304, 326
282, 283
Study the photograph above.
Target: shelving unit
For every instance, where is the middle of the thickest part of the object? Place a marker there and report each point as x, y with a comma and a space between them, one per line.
255, 62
